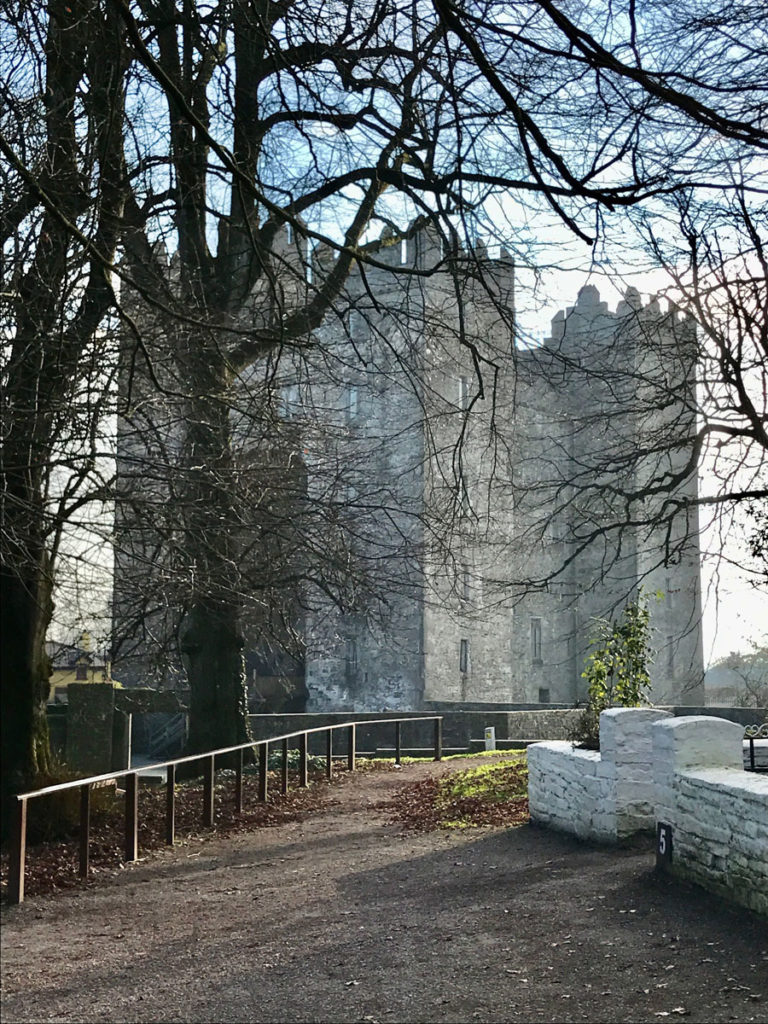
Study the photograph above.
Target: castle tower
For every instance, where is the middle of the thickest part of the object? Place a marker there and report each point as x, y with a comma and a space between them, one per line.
463, 508
606, 492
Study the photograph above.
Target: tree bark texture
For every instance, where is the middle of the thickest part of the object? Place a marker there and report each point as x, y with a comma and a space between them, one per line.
212, 635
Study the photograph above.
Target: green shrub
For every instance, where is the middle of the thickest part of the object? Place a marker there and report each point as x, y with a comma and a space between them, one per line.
616, 670
492, 783
275, 761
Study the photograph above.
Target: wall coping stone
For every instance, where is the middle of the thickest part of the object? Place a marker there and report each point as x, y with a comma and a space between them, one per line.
696, 741
733, 779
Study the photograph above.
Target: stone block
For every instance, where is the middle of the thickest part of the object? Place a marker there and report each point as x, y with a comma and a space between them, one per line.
89, 727
625, 734
695, 742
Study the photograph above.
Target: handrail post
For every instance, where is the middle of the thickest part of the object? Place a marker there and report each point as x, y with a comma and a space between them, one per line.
398, 742
131, 816
284, 769
239, 783
438, 739
209, 771
18, 852
351, 748
303, 767
170, 805
263, 764
85, 829
329, 754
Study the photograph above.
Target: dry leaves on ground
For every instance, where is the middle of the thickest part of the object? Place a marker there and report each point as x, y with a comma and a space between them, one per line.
53, 865
489, 795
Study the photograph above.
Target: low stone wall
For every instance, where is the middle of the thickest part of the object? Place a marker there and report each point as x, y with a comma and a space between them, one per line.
602, 795
98, 728
368, 738
744, 716
717, 812
459, 727
460, 724
90, 721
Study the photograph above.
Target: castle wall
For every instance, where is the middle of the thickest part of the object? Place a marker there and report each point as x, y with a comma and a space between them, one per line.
468, 399
591, 449
368, 655
149, 434
669, 557
433, 430
453, 533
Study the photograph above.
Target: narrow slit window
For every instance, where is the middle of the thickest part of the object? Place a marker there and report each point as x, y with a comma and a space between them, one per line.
536, 639
290, 400
352, 653
465, 586
463, 495
464, 656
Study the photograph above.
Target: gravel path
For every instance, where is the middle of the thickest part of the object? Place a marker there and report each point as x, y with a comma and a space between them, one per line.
342, 918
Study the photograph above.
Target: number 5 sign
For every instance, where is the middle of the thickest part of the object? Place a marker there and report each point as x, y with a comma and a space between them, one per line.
663, 844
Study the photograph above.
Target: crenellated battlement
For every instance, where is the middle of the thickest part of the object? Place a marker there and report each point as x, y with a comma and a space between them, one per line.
591, 314
421, 248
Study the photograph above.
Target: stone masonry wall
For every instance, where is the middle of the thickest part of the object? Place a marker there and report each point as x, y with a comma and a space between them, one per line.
602, 795
459, 727
718, 813
569, 790
90, 717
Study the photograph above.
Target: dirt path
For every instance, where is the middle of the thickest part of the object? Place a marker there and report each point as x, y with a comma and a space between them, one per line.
342, 918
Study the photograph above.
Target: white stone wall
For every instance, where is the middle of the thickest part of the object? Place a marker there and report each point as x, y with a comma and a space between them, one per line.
569, 789
718, 812
605, 795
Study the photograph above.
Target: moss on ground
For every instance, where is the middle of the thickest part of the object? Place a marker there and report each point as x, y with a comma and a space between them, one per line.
491, 794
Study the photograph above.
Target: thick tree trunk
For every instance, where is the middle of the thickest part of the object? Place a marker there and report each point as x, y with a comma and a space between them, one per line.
213, 649
211, 636
25, 613
48, 340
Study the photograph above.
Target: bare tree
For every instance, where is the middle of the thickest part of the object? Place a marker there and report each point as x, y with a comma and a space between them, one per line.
745, 675
64, 194
268, 144
718, 271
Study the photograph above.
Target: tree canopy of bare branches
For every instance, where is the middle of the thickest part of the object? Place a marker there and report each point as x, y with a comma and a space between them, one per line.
215, 128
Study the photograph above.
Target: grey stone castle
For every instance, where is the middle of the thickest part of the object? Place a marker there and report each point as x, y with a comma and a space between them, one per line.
488, 502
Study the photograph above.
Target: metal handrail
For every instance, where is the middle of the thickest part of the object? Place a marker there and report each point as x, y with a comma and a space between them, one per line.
752, 733
17, 858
